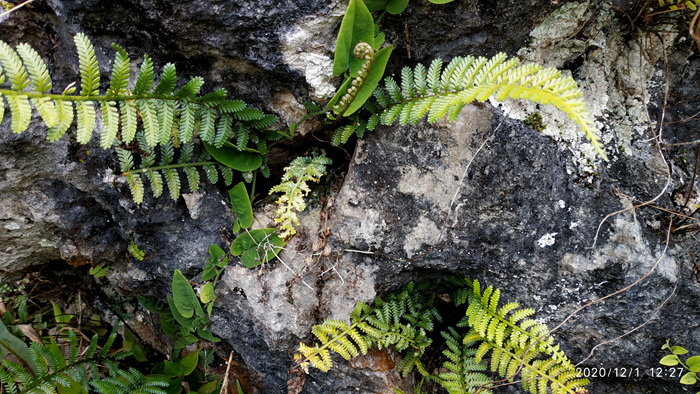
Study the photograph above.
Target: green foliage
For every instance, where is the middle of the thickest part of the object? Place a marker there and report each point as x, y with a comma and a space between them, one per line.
692, 364
183, 318
674, 5
135, 251
257, 247
517, 344
83, 368
294, 188
240, 205
99, 271
401, 320
442, 92
153, 128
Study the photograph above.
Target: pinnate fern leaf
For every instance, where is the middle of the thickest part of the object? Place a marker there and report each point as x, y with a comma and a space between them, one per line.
442, 92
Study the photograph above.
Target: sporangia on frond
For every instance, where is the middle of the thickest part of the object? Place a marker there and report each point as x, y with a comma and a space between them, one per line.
163, 114
503, 339
443, 92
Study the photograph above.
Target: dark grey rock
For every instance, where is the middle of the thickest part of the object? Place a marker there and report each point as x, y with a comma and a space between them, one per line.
520, 214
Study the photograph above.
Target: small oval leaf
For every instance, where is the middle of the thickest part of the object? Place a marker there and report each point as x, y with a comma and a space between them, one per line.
669, 360
239, 161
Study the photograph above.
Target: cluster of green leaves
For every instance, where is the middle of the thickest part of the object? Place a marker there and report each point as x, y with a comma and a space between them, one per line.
518, 345
141, 119
255, 247
294, 188
43, 368
183, 317
680, 4
402, 320
691, 364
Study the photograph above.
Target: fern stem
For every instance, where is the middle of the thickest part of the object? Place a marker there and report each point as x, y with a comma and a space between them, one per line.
169, 166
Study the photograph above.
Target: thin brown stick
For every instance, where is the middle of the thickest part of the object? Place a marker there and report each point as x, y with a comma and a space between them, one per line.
16, 7
224, 384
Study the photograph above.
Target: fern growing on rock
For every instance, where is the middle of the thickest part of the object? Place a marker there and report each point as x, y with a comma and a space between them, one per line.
516, 344
164, 117
83, 369
294, 188
441, 92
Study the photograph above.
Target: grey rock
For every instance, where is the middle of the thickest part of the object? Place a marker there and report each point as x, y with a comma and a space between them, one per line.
519, 212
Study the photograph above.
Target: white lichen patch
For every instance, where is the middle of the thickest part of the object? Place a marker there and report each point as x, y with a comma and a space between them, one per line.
574, 32
425, 232
546, 240
306, 48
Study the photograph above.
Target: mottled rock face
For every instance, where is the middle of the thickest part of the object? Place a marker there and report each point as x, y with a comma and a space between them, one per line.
487, 196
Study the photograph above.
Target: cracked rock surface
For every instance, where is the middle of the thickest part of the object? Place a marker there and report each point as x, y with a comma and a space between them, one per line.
487, 197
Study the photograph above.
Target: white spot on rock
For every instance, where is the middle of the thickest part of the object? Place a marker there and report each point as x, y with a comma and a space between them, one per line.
546, 240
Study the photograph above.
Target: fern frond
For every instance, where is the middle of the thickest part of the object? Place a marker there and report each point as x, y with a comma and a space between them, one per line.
294, 187
120, 72
145, 78
168, 80
21, 113
14, 68
89, 68
443, 93
172, 179
36, 67
135, 187
129, 120
463, 376
110, 122
190, 89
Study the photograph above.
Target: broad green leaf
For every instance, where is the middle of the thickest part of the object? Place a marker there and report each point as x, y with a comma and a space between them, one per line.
396, 6
58, 315
239, 161
207, 335
693, 363
185, 322
183, 295
669, 360
678, 350
17, 347
208, 388
357, 26
152, 304
189, 363
240, 204
375, 75
375, 5
689, 378
172, 369
207, 293
209, 271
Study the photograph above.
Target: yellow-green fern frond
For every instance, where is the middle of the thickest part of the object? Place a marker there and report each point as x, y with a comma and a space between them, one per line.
294, 188
680, 4
440, 93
